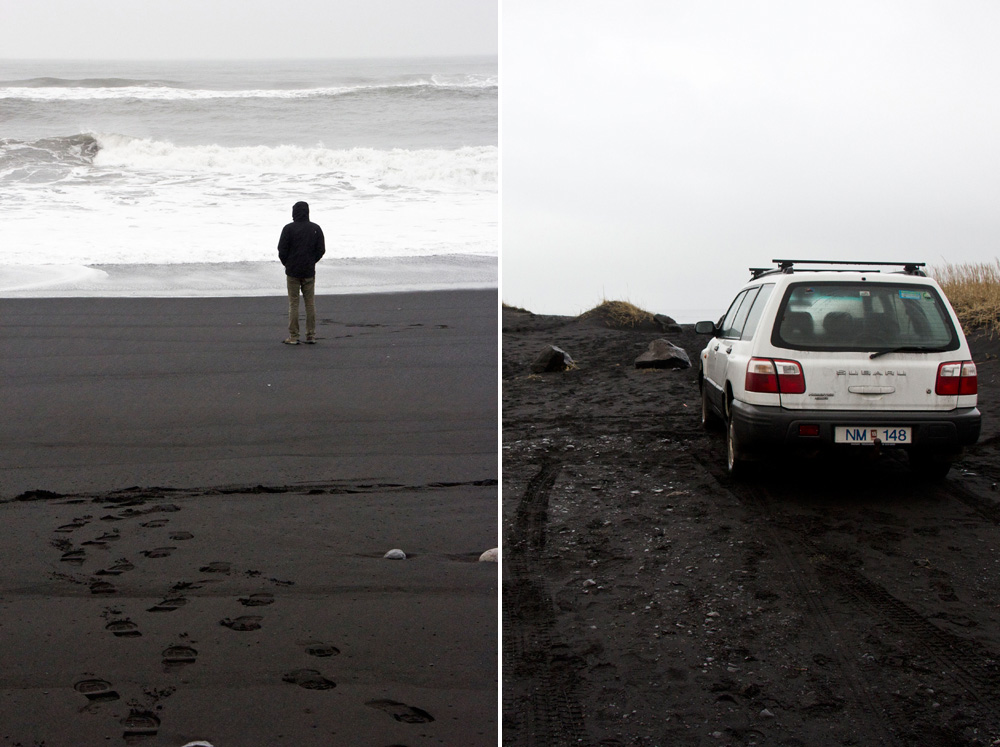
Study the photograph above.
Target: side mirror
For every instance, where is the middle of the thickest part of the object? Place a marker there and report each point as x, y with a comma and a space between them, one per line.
706, 328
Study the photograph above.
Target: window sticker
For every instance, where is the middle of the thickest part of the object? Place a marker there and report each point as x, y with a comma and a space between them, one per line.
913, 295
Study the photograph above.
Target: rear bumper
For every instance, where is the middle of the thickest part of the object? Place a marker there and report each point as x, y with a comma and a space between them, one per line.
762, 429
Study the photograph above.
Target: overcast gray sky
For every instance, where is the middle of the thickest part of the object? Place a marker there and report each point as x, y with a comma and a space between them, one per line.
653, 151
246, 29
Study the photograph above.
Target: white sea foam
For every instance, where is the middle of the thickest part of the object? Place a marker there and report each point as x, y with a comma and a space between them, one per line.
471, 168
148, 201
171, 93
27, 280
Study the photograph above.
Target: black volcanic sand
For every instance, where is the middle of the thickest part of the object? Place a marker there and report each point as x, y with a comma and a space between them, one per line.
649, 599
239, 594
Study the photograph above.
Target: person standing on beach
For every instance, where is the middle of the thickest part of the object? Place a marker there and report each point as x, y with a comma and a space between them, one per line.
300, 247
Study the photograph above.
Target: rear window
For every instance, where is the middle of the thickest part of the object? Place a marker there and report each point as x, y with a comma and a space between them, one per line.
863, 316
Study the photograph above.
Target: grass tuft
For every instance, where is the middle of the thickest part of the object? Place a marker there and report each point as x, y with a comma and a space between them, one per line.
508, 307
974, 292
619, 314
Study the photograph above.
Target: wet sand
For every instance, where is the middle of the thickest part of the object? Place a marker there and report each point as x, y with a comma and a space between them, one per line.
340, 275
196, 517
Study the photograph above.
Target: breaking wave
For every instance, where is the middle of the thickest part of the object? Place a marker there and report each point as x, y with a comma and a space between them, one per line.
48, 82
463, 169
62, 89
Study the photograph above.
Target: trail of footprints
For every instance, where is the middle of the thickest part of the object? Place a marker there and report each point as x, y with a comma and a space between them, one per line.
142, 723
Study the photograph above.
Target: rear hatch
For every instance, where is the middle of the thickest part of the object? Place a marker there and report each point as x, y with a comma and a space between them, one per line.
875, 345
897, 381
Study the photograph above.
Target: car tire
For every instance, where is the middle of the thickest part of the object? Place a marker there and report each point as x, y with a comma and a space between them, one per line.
736, 464
709, 419
929, 466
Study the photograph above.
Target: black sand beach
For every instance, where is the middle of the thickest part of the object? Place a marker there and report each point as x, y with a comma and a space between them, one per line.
196, 517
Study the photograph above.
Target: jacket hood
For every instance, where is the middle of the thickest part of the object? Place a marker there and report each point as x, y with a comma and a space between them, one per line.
300, 211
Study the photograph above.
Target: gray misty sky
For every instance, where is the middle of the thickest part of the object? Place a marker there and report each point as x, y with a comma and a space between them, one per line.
653, 151
246, 29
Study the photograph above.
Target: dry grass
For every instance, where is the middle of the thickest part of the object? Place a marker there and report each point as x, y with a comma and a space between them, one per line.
619, 314
509, 307
974, 292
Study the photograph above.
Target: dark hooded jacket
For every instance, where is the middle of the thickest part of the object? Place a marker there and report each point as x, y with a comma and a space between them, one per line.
301, 244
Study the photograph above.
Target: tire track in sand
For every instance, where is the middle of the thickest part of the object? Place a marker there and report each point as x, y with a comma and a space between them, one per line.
545, 711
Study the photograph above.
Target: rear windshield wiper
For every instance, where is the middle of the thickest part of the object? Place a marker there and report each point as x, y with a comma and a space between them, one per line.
908, 349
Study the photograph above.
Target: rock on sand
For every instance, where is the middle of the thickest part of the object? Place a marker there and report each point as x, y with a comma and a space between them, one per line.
663, 354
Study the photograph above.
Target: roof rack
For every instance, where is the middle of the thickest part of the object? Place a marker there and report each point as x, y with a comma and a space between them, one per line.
787, 266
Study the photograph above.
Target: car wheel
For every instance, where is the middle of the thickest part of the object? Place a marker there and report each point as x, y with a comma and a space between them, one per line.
709, 420
735, 462
929, 466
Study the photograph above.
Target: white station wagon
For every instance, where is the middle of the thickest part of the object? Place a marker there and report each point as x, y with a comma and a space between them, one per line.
834, 358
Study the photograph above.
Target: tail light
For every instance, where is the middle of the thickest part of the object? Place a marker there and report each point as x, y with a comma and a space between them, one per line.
775, 376
957, 378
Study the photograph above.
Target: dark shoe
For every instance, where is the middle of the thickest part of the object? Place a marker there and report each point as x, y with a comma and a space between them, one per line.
310, 340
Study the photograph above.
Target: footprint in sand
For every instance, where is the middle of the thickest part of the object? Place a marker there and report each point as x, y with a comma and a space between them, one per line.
123, 628
310, 679
401, 711
73, 526
168, 605
102, 587
76, 557
176, 657
104, 539
317, 648
117, 569
97, 691
139, 725
159, 552
181, 536
217, 567
257, 600
242, 624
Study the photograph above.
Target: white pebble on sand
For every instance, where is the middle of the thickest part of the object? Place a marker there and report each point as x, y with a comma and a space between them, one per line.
490, 556
395, 555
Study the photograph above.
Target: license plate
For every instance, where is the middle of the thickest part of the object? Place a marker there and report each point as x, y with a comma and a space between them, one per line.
866, 435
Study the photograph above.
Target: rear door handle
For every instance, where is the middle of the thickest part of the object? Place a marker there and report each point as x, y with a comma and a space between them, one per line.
729, 350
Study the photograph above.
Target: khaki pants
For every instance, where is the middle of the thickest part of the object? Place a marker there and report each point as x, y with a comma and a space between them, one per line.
308, 287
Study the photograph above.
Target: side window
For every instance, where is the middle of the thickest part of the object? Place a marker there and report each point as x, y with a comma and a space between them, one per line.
729, 322
756, 310
743, 313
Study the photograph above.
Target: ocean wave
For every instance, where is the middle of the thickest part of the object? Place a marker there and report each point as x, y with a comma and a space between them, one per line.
468, 168
47, 159
51, 159
58, 89
48, 82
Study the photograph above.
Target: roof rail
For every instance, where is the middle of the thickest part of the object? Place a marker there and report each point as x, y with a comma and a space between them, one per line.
787, 266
